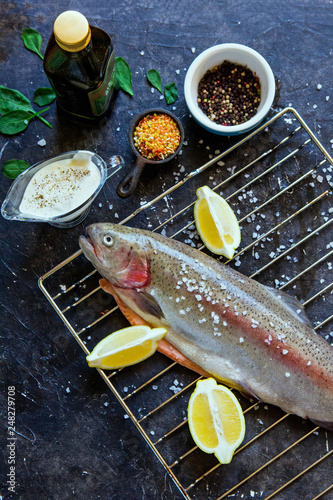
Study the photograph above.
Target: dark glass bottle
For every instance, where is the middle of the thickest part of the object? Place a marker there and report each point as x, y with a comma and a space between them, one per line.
79, 63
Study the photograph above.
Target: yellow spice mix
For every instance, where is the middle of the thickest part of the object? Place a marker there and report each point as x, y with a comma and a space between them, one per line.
157, 136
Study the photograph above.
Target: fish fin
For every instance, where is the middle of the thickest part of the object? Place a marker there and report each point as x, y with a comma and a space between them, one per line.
293, 304
246, 391
163, 345
147, 304
143, 300
325, 425
131, 316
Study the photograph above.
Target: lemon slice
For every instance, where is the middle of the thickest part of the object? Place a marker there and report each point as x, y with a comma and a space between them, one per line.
216, 420
125, 347
216, 223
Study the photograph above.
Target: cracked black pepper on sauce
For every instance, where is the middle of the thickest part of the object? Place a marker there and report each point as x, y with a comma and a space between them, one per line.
229, 94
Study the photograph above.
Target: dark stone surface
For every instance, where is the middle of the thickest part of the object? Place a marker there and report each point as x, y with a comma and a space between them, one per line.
72, 438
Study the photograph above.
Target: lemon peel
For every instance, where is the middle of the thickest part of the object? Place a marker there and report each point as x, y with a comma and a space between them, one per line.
216, 419
125, 347
216, 223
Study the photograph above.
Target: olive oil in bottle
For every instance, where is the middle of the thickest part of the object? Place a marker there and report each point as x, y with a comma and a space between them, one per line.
79, 63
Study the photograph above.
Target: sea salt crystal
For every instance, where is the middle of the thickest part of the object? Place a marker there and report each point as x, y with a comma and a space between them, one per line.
155, 387
68, 390
193, 50
285, 351
319, 86
287, 374
42, 142
142, 53
241, 339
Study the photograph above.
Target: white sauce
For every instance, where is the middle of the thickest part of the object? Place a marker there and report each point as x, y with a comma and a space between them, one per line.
60, 187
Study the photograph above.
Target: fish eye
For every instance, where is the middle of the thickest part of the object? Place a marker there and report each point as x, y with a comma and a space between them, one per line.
108, 240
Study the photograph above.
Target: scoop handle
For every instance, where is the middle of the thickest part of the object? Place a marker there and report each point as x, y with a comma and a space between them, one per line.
115, 163
130, 181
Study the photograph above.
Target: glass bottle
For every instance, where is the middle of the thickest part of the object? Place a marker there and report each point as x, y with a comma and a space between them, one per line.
79, 63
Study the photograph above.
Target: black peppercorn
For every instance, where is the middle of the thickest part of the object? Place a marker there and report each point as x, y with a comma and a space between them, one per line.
227, 91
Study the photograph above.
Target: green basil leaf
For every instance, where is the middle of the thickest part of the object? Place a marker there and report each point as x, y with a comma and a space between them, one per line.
44, 96
170, 92
32, 40
155, 79
123, 75
11, 99
13, 168
14, 122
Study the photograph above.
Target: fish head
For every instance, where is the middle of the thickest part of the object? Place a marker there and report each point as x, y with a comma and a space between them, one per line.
120, 254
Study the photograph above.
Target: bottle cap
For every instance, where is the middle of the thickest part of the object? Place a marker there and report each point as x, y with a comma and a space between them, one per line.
71, 31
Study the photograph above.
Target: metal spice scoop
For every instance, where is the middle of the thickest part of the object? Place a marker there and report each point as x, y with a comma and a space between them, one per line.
130, 181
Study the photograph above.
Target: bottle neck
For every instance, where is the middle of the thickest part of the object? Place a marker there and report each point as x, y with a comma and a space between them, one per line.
79, 53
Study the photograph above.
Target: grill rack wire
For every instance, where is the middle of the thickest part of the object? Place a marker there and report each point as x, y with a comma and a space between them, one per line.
208, 481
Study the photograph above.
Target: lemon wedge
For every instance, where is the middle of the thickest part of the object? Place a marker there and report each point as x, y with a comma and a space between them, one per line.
216, 223
125, 347
216, 419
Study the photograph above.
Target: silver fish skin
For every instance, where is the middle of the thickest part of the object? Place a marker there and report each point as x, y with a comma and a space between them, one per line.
243, 333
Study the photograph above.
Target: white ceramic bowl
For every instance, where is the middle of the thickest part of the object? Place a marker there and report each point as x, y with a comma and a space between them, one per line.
214, 56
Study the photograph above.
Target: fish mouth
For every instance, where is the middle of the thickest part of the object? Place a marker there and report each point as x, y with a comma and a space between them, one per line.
87, 247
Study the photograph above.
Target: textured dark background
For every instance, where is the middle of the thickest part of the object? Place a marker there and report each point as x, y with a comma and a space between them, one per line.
73, 440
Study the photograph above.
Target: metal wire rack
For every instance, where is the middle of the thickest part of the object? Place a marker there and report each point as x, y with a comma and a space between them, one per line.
279, 185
